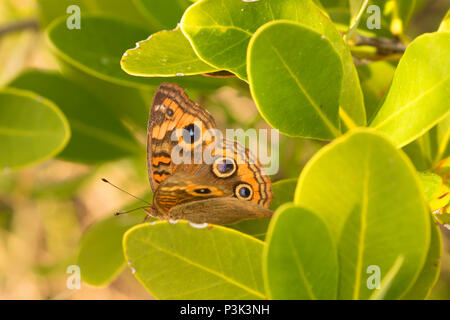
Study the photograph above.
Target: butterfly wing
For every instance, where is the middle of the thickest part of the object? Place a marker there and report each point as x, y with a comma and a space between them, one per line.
212, 193
222, 210
171, 110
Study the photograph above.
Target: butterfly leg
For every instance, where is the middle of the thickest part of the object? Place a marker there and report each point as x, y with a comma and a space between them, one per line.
152, 212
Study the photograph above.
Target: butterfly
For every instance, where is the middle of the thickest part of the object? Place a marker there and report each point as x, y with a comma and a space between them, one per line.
231, 186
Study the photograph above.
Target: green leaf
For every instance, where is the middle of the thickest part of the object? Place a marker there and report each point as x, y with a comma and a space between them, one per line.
100, 254
418, 152
163, 14
436, 191
300, 259
164, 54
375, 79
431, 183
215, 262
430, 271
97, 49
32, 129
443, 139
445, 24
220, 32
419, 94
283, 191
98, 46
308, 79
125, 10
97, 134
362, 186
131, 105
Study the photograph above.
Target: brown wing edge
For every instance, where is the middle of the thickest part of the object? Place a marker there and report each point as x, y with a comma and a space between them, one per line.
178, 94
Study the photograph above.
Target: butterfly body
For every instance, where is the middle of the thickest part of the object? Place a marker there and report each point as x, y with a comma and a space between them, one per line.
230, 187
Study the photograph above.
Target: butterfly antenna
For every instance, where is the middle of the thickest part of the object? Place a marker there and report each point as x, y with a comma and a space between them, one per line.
129, 211
132, 195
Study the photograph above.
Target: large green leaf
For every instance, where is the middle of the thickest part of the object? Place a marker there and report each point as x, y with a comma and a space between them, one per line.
163, 14
98, 46
221, 30
100, 254
419, 94
300, 259
178, 261
97, 134
97, 49
131, 105
126, 10
307, 80
32, 128
164, 54
369, 195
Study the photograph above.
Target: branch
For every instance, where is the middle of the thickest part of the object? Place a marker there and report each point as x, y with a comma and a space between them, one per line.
31, 24
384, 46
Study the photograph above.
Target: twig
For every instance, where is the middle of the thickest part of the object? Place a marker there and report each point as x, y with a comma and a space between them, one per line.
384, 46
31, 24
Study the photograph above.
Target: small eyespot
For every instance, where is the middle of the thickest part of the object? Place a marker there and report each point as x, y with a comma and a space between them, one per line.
190, 133
202, 191
169, 112
224, 167
243, 191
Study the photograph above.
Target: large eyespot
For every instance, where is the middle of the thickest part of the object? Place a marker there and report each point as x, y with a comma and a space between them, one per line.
243, 191
224, 167
191, 133
202, 191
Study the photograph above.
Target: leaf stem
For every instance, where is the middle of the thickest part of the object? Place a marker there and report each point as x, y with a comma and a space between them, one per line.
355, 21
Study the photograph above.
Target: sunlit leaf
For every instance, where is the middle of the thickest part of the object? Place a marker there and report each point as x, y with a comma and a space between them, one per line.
362, 186
300, 259
308, 79
32, 128
97, 134
419, 94
166, 53
220, 32
216, 262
